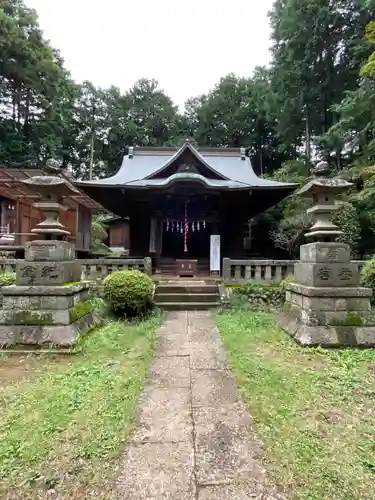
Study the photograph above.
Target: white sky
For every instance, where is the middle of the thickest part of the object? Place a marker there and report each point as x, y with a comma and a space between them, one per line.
187, 45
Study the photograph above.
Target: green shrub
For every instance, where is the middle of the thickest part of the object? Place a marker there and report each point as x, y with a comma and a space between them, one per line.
258, 296
368, 276
347, 219
129, 293
288, 279
7, 278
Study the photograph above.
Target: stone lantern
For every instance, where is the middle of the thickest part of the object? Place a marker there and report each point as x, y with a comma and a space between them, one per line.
323, 191
48, 305
52, 190
326, 306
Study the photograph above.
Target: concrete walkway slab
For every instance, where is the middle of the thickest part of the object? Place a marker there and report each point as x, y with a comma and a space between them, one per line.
164, 415
194, 438
213, 388
156, 471
170, 371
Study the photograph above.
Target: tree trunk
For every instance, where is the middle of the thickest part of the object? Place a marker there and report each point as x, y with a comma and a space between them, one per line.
92, 142
261, 162
308, 135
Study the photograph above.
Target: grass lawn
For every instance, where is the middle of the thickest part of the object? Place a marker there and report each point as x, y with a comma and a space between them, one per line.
314, 409
64, 420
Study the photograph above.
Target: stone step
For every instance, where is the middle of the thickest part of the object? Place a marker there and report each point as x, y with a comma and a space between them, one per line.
191, 288
186, 297
187, 306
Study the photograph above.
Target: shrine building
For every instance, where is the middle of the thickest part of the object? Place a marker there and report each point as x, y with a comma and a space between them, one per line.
176, 199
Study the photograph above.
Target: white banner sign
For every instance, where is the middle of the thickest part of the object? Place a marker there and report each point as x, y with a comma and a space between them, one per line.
215, 253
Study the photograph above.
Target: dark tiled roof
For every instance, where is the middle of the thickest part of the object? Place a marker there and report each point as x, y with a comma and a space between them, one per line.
231, 165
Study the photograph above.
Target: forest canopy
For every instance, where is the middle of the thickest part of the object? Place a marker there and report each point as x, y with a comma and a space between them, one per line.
316, 98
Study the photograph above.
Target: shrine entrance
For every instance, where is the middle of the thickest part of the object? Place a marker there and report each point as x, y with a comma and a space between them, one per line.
195, 244
186, 226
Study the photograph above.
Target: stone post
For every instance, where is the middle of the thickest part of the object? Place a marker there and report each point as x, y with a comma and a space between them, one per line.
326, 306
48, 305
226, 270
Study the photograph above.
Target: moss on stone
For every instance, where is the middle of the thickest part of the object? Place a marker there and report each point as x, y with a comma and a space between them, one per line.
33, 318
351, 319
286, 307
80, 310
72, 283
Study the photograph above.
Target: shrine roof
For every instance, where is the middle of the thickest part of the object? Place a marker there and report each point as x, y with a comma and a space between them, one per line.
230, 169
12, 187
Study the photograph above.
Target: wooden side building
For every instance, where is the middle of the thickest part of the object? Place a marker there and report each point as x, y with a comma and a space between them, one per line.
18, 217
118, 233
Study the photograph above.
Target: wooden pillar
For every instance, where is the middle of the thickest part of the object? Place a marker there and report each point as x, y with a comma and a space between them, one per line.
3, 221
153, 235
18, 223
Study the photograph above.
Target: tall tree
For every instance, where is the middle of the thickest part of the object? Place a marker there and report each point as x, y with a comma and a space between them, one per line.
238, 113
318, 50
30, 78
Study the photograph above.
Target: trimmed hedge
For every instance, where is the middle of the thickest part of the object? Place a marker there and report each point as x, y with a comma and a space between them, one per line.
128, 292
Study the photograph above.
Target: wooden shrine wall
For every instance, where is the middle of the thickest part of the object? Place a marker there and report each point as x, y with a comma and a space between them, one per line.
118, 234
76, 220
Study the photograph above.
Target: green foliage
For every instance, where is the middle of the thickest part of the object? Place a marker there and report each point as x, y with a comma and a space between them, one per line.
318, 51
368, 276
313, 97
289, 235
310, 406
369, 68
7, 278
347, 219
128, 292
72, 408
239, 112
117, 254
288, 279
258, 296
98, 236
81, 309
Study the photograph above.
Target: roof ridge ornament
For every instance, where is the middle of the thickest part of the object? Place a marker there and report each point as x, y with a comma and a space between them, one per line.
243, 153
131, 152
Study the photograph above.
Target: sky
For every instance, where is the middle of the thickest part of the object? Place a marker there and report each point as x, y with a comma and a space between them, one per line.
187, 45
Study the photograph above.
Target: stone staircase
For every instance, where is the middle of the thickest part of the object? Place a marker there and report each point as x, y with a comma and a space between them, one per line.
187, 295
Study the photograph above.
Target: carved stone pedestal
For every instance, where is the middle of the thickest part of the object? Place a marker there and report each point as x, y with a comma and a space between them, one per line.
48, 305
326, 306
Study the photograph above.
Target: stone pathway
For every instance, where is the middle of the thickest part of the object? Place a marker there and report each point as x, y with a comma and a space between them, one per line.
194, 438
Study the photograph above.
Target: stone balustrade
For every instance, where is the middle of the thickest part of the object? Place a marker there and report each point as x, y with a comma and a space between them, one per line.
8, 265
259, 271
234, 271
94, 268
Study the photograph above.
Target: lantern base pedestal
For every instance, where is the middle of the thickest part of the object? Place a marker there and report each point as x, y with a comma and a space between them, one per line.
40, 316
329, 335
327, 307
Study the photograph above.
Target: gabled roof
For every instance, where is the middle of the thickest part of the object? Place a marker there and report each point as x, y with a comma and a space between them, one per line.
178, 154
12, 187
232, 169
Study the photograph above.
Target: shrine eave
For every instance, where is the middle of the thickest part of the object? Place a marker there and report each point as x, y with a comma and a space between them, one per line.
91, 189
182, 178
